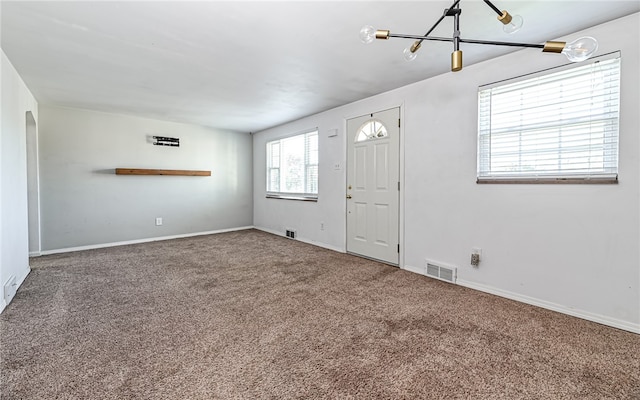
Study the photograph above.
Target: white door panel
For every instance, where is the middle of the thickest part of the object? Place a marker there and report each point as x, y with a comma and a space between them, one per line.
360, 168
382, 224
373, 171
360, 211
381, 166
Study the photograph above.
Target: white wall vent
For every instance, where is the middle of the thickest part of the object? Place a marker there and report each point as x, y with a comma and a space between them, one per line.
442, 272
290, 233
10, 289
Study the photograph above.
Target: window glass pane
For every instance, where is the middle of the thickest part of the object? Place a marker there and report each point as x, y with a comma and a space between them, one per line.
312, 148
292, 165
275, 155
312, 179
292, 175
274, 180
372, 129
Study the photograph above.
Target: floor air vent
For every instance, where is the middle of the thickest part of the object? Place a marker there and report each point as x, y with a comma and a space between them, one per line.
291, 233
441, 272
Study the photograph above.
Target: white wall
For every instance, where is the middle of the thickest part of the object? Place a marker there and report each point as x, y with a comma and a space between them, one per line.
277, 215
572, 248
14, 236
83, 202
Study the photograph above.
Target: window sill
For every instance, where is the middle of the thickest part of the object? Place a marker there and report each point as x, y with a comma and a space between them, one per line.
292, 197
607, 180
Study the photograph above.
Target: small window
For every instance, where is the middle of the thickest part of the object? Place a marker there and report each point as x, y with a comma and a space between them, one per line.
554, 126
292, 167
372, 129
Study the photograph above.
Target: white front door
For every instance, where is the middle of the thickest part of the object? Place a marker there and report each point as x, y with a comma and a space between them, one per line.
373, 184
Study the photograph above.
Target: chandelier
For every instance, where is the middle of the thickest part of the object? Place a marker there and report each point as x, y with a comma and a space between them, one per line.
578, 50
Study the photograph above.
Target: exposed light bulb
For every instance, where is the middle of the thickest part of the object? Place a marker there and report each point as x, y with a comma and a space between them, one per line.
408, 54
580, 49
367, 34
514, 25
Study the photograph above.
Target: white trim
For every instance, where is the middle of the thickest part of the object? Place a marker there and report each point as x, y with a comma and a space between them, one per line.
323, 245
35, 254
510, 147
303, 240
415, 270
547, 71
37, 176
290, 135
300, 197
601, 319
3, 303
306, 196
401, 172
401, 197
136, 241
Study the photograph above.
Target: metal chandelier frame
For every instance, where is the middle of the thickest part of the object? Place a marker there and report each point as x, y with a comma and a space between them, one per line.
578, 50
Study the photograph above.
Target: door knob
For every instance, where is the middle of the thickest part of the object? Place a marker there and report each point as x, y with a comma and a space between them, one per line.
348, 196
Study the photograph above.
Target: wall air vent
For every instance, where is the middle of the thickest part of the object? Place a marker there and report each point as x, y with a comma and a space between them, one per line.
9, 290
442, 272
290, 233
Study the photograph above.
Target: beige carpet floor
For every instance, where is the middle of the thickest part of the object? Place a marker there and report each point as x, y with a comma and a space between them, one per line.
249, 315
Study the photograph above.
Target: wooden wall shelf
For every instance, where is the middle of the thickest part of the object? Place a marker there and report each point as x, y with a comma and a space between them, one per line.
142, 171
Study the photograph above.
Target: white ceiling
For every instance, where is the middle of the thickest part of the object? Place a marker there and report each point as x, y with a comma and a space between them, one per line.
247, 66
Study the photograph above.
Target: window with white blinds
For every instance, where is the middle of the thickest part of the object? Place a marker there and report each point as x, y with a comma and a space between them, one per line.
558, 125
292, 167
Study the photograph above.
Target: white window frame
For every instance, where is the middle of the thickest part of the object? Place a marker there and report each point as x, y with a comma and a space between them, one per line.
522, 135
275, 165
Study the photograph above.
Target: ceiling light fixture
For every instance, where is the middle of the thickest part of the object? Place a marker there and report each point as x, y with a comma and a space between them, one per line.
578, 50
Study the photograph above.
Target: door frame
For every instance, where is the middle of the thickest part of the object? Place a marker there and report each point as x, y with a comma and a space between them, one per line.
33, 184
401, 195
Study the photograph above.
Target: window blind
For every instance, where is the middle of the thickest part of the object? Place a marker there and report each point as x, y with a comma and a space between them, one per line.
555, 125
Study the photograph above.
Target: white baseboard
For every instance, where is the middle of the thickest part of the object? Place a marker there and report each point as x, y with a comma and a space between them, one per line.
323, 245
126, 242
304, 240
601, 319
415, 270
19, 282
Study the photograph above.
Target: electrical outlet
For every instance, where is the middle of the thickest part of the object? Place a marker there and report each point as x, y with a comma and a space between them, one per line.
321, 226
158, 221
475, 260
475, 256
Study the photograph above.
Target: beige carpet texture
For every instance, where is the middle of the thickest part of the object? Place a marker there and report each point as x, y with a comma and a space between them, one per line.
250, 315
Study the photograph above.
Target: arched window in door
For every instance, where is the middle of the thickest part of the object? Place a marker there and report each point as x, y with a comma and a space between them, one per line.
372, 129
